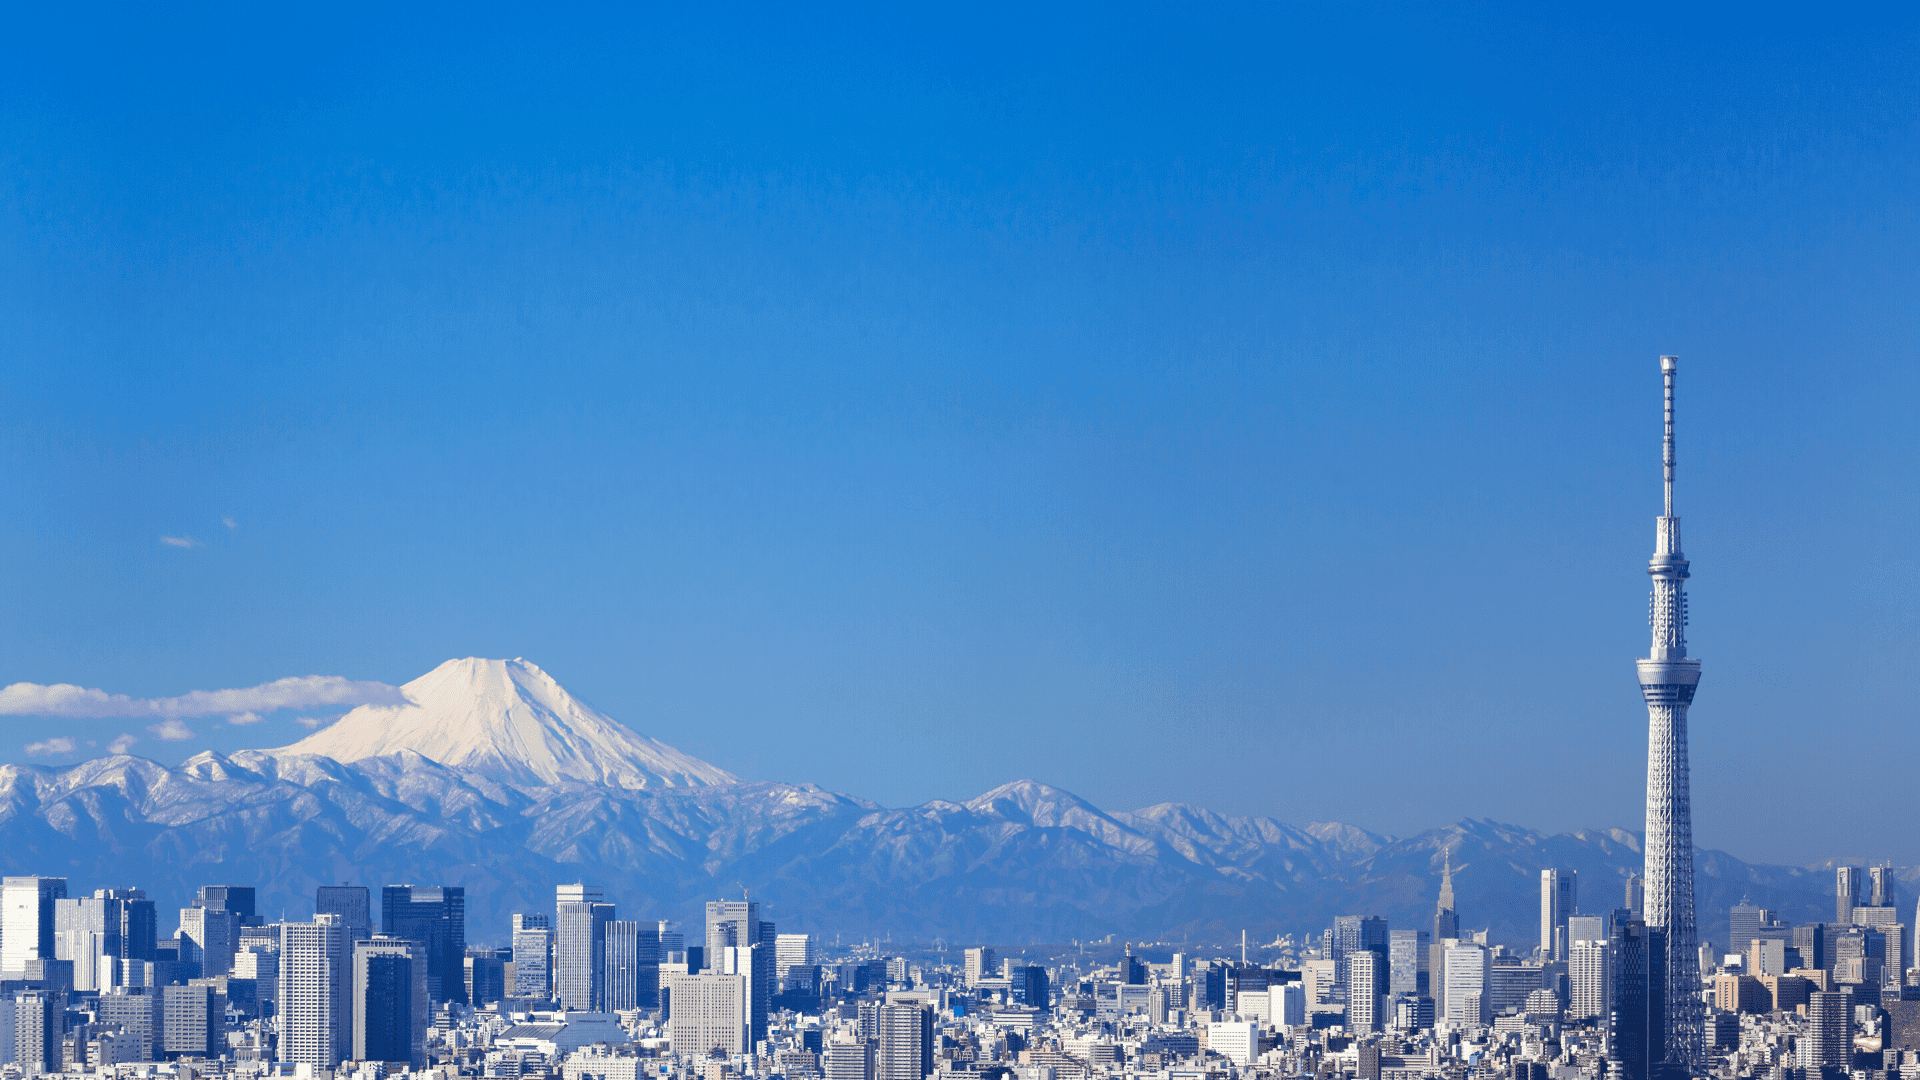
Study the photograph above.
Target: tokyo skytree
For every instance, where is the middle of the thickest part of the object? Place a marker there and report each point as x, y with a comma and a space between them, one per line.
1667, 680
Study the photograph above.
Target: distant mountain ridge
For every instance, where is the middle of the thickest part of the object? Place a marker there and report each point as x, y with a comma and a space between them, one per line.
664, 831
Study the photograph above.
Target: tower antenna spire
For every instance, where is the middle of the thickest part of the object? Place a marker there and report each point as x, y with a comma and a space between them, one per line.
1668, 364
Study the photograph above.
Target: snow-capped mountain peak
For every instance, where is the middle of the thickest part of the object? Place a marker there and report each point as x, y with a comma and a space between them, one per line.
511, 721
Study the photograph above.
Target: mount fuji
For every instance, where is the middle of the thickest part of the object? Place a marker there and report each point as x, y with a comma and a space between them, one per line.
509, 721
494, 778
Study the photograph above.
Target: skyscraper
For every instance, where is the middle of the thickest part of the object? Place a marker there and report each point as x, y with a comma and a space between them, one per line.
1559, 897
633, 965
27, 919
1828, 1042
1363, 992
1846, 893
1407, 954
390, 1006
435, 916
1743, 925
350, 902
580, 946
1667, 681
737, 924
1636, 989
1880, 886
905, 1037
532, 955
316, 992
1446, 923
709, 1013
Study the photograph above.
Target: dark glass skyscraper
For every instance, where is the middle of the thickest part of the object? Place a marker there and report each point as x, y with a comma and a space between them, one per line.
435, 916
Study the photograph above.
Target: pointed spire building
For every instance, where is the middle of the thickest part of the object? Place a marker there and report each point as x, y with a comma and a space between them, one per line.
1446, 923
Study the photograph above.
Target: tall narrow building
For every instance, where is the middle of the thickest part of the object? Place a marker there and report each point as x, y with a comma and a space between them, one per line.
1667, 681
1559, 899
1446, 923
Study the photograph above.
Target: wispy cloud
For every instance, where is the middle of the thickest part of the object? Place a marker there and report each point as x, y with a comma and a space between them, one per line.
171, 730
245, 718
58, 745
121, 745
181, 541
229, 523
300, 692
315, 721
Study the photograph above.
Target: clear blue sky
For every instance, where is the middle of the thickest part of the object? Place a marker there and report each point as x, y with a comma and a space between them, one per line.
1250, 406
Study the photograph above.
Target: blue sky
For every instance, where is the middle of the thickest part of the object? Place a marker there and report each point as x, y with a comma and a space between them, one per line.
1251, 406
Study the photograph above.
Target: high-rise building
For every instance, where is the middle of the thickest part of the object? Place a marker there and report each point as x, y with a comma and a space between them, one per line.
215, 934
351, 903
1407, 960
486, 976
84, 929
1846, 893
391, 1006
194, 1018
737, 924
138, 1011
904, 1038
633, 964
1587, 979
1559, 899
27, 919
435, 916
1446, 922
1828, 1040
316, 991
980, 965
1363, 992
1637, 1011
1467, 967
580, 946
1743, 925
138, 924
532, 955
1667, 681
793, 950
847, 1061
39, 1028
1636, 896
709, 1012
235, 898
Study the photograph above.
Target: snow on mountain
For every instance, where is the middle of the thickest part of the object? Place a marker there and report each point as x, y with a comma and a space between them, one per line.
509, 721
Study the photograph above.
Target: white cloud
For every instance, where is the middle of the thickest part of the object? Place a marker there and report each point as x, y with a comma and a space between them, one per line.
171, 730
181, 541
58, 745
301, 692
121, 744
245, 718
315, 721
229, 523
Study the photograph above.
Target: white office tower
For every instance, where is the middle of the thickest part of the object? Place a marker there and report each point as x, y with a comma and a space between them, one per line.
1667, 681
1467, 967
1363, 998
316, 991
262, 965
1587, 988
215, 934
633, 965
847, 1061
391, 1007
39, 1021
736, 924
1236, 1040
27, 920
904, 1034
86, 930
792, 950
1289, 1004
1559, 893
980, 965
709, 1012
532, 955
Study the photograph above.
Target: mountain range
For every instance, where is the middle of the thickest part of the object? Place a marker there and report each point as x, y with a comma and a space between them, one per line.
495, 778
